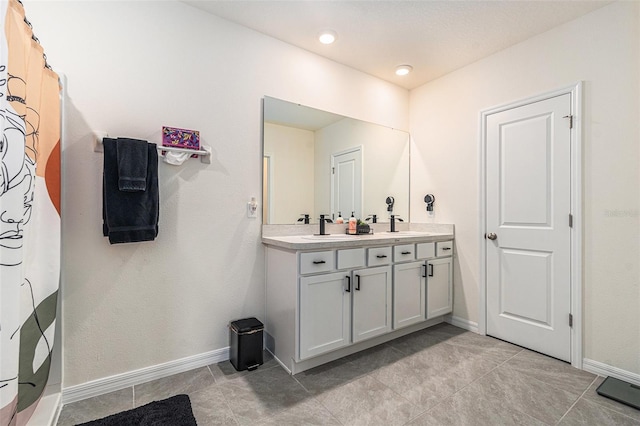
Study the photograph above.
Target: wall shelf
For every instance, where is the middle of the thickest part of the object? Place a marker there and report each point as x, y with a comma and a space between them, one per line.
204, 153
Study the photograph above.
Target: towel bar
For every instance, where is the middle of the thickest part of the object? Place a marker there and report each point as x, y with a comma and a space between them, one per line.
204, 153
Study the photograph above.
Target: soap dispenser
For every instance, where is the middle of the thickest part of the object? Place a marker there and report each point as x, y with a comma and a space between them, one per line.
339, 219
353, 224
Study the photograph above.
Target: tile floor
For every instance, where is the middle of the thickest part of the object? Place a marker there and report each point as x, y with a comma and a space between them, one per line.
439, 376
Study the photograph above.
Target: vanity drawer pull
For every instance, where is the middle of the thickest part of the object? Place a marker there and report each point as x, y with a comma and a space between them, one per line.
444, 248
317, 262
377, 256
404, 252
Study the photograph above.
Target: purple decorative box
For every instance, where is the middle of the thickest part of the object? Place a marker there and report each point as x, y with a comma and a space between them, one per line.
180, 138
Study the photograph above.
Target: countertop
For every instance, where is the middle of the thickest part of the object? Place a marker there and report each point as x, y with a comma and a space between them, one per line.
338, 240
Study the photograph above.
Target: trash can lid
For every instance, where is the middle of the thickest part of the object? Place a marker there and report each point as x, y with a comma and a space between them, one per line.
247, 324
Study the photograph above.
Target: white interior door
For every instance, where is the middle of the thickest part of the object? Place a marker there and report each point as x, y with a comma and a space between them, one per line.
528, 190
346, 184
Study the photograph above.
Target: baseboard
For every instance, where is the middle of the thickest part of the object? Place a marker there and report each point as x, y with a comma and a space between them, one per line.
143, 375
47, 411
462, 323
605, 370
284, 367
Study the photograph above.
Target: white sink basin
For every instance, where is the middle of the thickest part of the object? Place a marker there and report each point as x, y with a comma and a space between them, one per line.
330, 237
409, 233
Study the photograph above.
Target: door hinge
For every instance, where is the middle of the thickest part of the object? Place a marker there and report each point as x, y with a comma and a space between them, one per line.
333, 170
570, 320
570, 117
570, 220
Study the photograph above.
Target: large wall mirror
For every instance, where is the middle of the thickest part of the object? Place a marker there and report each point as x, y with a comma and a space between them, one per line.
316, 162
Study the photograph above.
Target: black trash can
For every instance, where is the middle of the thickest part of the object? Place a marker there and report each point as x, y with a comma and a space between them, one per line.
246, 343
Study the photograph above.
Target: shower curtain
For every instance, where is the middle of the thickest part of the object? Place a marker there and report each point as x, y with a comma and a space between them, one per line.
29, 215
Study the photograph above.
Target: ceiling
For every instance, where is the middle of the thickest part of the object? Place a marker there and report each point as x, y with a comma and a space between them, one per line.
295, 115
435, 37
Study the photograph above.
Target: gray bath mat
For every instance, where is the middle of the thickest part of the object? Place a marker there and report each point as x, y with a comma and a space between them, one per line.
620, 391
174, 411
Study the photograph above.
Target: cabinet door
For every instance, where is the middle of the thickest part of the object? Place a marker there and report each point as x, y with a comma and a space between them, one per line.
439, 287
371, 302
408, 293
325, 304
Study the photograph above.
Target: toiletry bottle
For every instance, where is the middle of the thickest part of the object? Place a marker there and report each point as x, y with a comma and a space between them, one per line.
353, 224
339, 219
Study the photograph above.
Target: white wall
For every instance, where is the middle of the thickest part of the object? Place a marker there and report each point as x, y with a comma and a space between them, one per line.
133, 67
602, 49
291, 152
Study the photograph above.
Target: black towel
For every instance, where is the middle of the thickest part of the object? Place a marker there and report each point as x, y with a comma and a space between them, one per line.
132, 164
129, 216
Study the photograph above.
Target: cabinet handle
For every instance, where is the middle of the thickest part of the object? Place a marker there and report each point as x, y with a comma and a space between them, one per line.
431, 269
381, 256
406, 252
358, 282
424, 274
446, 248
348, 284
318, 262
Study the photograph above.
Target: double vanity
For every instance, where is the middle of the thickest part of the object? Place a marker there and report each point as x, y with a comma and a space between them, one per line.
328, 296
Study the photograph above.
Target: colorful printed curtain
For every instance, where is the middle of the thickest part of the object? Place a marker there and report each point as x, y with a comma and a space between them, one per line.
29, 216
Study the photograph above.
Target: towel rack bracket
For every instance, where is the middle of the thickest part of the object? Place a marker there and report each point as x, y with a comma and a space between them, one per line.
97, 141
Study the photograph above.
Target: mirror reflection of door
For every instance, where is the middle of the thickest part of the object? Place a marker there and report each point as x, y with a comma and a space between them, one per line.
267, 188
346, 183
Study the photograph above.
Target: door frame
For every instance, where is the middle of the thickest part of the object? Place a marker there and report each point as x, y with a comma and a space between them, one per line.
270, 158
575, 90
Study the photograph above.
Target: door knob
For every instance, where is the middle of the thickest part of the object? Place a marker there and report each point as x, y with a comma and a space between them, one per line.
491, 236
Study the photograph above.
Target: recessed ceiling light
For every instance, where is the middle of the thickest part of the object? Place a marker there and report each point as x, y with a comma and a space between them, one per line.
403, 69
327, 36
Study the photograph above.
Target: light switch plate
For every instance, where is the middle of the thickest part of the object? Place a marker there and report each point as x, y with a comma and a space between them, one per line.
252, 208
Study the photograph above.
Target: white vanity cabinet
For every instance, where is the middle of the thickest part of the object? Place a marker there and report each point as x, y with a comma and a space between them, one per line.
440, 281
339, 308
408, 286
325, 311
371, 302
408, 294
327, 302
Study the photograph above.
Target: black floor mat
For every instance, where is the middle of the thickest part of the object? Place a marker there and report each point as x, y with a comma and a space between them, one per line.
620, 391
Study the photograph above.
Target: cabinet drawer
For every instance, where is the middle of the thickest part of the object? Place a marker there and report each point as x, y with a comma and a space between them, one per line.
320, 261
404, 253
425, 250
444, 248
378, 256
350, 258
